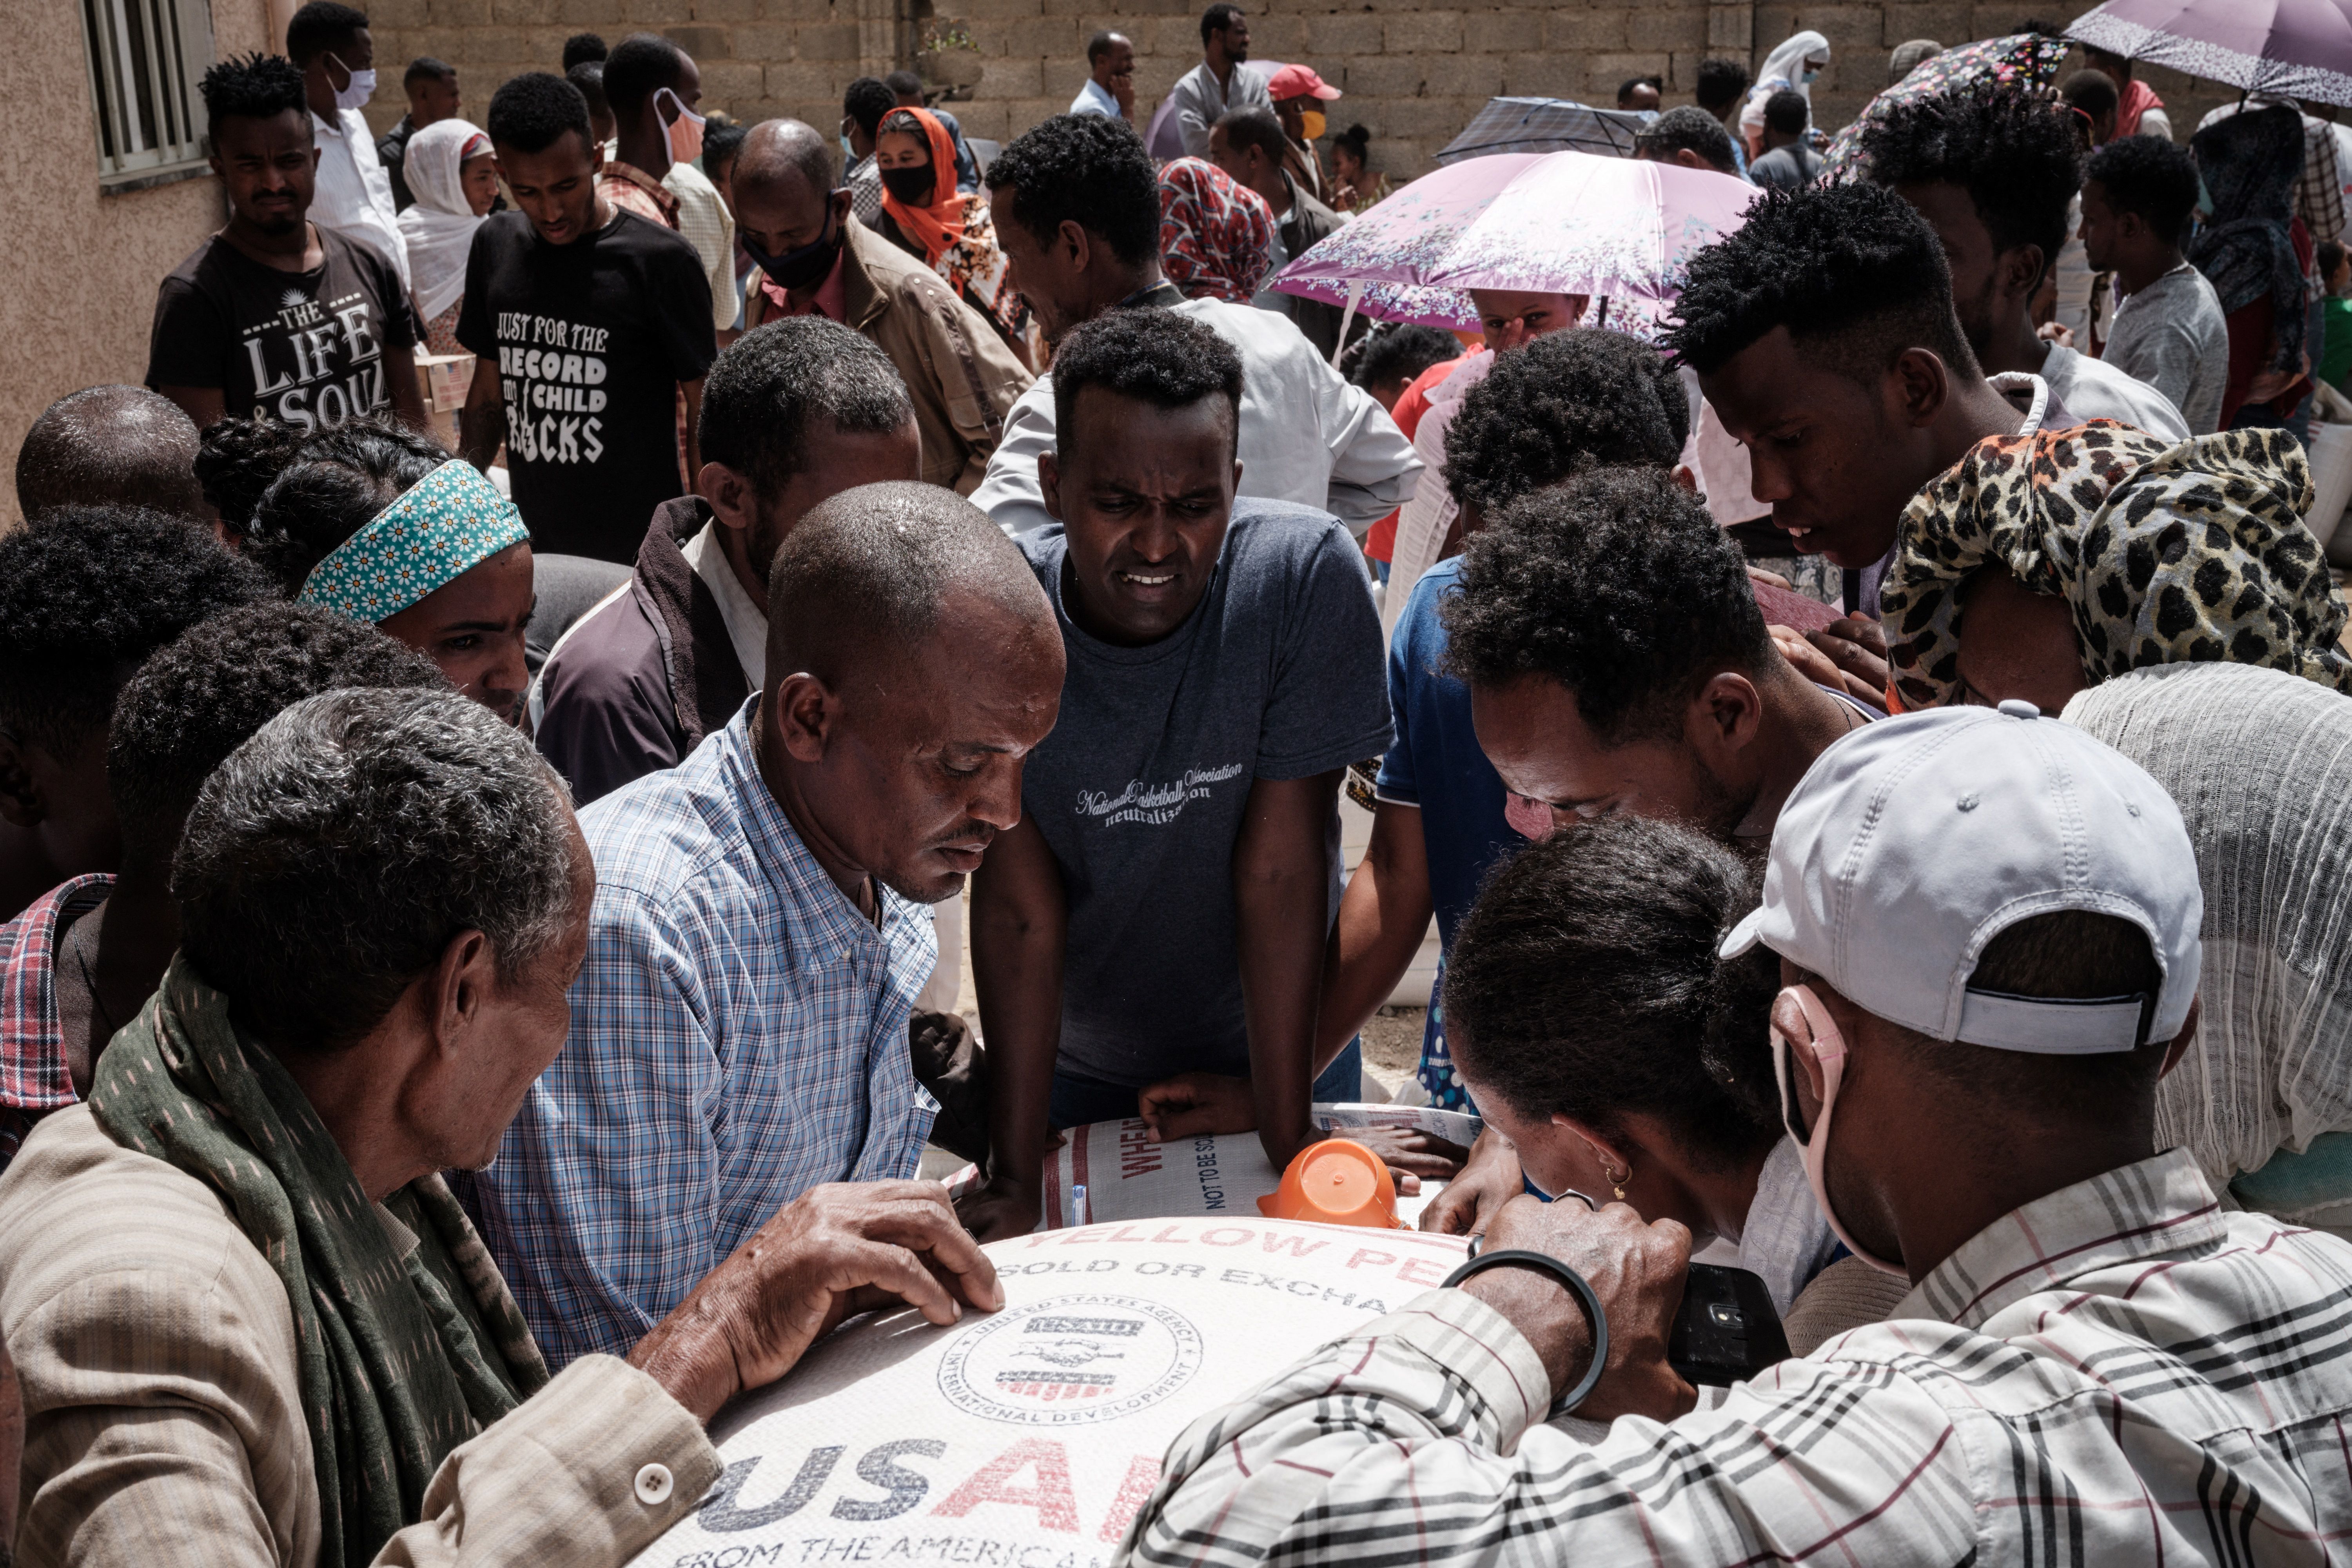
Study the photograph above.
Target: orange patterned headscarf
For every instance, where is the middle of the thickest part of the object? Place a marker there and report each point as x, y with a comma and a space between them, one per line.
940, 224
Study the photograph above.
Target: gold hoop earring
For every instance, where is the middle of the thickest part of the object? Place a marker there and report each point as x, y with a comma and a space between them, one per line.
1616, 1179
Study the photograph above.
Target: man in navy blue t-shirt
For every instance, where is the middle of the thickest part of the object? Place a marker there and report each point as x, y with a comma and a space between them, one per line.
1149, 939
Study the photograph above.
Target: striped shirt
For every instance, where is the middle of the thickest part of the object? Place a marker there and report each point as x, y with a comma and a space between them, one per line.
739, 1036
2120, 1372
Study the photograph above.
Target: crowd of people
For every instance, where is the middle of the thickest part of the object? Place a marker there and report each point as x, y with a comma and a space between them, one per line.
484, 926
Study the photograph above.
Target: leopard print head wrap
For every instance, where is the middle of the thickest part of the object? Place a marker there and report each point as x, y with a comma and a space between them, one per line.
2165, 552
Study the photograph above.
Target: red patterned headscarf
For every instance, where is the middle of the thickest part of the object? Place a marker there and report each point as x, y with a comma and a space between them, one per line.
1216, 236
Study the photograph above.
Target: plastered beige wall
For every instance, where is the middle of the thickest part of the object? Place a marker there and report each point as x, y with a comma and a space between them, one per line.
78, 269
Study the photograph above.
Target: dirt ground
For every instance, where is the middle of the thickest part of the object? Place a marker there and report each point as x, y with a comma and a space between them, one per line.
1392, 1045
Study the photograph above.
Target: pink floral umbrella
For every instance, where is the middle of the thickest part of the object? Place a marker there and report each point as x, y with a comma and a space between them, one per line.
1575, 223
2033, 58
1381, 259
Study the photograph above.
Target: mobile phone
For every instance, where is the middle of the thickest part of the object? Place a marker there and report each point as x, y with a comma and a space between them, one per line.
1726, 1330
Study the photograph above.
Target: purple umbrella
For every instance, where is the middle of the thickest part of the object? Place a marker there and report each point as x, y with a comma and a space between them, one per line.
1382, 259
2287, 49
1578, 224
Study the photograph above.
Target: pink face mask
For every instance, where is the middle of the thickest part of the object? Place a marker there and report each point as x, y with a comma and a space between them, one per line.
1829, 1049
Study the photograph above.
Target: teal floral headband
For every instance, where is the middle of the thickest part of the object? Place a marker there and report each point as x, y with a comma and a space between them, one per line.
449, 521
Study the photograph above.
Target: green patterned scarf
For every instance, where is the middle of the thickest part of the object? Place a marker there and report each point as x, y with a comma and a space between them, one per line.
396, 1370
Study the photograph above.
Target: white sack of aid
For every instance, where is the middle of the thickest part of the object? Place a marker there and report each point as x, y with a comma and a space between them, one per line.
1029, 1437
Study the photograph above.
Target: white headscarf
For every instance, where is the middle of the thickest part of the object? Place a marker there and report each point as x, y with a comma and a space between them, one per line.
2259, 762
1784, 67
439, 228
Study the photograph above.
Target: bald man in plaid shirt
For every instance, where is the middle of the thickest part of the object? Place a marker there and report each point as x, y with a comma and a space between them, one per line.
1986, 925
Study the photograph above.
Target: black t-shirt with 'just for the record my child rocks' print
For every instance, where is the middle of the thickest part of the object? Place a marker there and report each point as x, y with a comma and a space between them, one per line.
591, 339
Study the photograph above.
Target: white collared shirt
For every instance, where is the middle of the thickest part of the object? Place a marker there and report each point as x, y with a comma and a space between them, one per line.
745, 618
354, 195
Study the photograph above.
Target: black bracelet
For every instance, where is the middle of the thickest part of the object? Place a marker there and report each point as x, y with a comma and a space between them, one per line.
1578, 1287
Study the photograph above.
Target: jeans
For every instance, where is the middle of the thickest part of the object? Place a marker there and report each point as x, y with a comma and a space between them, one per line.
1081, 1101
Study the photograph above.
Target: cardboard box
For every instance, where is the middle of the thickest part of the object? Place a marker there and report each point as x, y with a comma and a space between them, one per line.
443, 381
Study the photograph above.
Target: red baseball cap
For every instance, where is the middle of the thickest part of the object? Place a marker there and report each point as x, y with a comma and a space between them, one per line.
1298, 81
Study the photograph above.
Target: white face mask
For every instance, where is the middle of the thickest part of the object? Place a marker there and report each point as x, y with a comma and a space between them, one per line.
362, 88
1829, 1049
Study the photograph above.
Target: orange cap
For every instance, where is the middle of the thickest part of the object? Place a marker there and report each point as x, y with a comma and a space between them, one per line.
1336, 1182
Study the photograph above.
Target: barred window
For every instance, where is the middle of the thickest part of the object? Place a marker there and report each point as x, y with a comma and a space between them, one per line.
145, 58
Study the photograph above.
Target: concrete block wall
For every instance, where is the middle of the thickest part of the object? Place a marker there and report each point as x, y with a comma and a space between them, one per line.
1413, 71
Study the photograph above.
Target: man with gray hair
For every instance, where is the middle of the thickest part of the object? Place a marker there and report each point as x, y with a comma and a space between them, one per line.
792, 412
123, 446
739, 1032
285, 1343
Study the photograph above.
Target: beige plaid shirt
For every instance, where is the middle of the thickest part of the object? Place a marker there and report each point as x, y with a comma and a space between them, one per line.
163, 1400
710, 228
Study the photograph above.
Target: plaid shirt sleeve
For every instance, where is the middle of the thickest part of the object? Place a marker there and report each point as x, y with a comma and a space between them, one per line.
2319, 194
2118, 1371
1420, 1435
613, 1169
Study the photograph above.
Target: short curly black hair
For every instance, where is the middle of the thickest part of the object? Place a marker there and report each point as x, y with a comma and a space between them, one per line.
529, 113
1565, 402
255, 87
236, 458
867, 101
333, 486
1853, 272
1087, 169
197, 700
640, 66
1166, 360
1397, 352
1585, 982
1721, 84
1687, 127
2013, 149
87, 593
320, 26
763, 391
2149, 176
721, 141
1617, 584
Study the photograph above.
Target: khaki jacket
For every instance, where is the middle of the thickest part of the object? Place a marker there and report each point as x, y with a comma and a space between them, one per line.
961, 377
163, 1401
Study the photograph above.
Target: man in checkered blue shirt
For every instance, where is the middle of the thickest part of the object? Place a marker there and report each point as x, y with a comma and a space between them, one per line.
1986, 923
739, 1032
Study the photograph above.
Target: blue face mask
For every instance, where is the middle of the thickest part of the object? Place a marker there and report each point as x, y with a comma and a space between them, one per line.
1809, 76
847, 152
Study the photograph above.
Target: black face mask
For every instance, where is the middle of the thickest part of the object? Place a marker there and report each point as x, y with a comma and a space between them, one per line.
911, 187
805, 268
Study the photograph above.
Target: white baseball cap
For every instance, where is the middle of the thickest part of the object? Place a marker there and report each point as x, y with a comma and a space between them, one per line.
1912, 842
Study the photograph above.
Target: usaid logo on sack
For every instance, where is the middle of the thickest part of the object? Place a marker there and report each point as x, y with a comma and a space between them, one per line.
1070, 1360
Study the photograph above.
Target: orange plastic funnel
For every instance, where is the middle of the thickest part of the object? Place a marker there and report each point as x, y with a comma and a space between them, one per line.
1336, 1182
